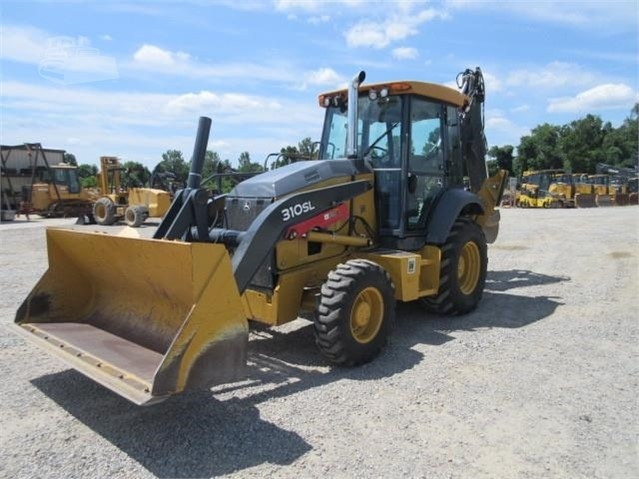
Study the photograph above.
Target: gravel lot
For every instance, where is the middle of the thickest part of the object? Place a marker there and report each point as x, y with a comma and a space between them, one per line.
540, 381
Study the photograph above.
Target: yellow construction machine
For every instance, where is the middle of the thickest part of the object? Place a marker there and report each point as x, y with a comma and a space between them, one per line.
382, 216
58, 193
31, 184
545, 189
133, 204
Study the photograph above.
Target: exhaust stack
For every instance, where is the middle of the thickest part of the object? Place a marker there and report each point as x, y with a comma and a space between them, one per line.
353, 89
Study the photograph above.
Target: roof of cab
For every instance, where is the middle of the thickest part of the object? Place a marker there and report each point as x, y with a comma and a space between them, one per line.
430, 90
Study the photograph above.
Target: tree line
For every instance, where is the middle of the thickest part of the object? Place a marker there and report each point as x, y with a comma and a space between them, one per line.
575, 147
172, 170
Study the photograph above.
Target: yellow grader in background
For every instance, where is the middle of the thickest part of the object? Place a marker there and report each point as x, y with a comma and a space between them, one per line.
381, 217
117, 202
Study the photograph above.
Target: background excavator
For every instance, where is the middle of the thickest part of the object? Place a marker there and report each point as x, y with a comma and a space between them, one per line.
382, 216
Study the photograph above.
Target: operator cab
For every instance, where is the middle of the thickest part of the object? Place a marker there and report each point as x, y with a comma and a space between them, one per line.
62, 175
412, 143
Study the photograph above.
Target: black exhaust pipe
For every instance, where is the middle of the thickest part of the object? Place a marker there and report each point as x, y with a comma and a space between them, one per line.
188, 209
199, 152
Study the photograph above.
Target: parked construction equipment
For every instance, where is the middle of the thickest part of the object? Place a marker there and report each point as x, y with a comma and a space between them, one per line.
381, 217
31, 184
544, 189
132, 204
557, 189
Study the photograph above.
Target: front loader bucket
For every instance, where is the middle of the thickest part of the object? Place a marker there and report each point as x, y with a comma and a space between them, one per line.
145, 318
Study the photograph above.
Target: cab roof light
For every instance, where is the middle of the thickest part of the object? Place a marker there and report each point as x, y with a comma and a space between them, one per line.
396, 87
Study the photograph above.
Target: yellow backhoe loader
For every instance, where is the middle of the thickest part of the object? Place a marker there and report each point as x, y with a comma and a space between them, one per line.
133, 204
382, 216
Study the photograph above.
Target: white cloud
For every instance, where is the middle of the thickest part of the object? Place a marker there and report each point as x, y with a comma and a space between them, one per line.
287, 5
520, 109
493, 84
150, 54
22, 44
379, 34
132, 124
602, 97
405, 53
106, 37
316, 20
500, 130
151, 58
323, 76
552, 76
314, 5
575, 13
225, 102
61, 59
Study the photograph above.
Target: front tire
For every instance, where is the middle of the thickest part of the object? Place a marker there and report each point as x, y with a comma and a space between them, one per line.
135, 215
356, 313
462, 270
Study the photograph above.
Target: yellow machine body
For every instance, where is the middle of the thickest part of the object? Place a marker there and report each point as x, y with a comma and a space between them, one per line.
148, 318
61, 195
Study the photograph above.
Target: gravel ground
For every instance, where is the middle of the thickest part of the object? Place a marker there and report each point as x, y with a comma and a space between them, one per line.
540, 381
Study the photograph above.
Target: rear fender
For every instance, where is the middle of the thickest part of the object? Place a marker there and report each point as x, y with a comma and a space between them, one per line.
450, 206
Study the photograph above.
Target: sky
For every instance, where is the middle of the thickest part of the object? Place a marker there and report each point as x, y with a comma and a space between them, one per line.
131, 79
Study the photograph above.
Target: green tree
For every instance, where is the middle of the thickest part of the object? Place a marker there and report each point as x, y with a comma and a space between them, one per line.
308, 149
134, 174
173, 163
211, 162
288, 154
70, 158
218, 175
581, 142
621, 145
88, 175
246, 165
503, 158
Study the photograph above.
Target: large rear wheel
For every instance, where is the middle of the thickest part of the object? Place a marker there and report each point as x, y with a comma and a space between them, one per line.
356, 312
104, 211
462, 271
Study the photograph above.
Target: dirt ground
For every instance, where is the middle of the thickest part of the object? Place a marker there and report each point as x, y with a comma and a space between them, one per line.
540, 381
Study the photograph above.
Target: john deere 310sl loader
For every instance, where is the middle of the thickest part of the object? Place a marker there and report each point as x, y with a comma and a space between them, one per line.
382, 216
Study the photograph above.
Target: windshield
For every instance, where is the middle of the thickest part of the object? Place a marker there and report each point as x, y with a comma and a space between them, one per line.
378, 127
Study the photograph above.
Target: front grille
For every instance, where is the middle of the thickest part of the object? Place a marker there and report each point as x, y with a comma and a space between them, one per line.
240, 215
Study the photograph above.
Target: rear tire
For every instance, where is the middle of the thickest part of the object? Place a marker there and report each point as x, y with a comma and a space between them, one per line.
356, 313
462, 271
104, 211
135, 215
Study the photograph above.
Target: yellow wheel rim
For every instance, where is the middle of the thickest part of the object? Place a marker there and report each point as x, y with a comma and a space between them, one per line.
367, 315
468, 268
